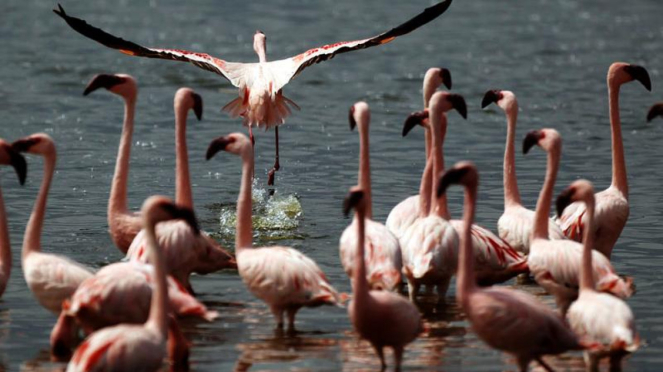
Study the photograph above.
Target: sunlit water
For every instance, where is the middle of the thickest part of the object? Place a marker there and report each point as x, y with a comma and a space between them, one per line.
552, 53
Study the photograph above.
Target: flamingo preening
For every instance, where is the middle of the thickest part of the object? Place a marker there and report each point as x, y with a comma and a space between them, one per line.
284, 278
261, 101
130, 347
597, 317
8, 156
654, 111
383, 318
612, 207
515, 224
383, 252
509, 320
555, 264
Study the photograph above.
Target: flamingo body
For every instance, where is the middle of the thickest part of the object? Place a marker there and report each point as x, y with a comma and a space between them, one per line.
516, 224
403, 215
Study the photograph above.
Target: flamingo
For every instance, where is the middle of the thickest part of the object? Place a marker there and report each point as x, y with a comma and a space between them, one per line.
594, 316
407, 211
654, 111
382, 318
51, 278
185, 250
555, 264
612, 207
261, 101
383, 252
515, 224
130, 347
509, 320
8, 156
284, 278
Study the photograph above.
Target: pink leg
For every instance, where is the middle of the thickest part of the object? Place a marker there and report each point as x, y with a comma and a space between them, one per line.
178, 346
277, 166
253, 148
64, 337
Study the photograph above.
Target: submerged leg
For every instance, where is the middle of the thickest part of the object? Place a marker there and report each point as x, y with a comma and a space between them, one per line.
544, 364
380, 352
413, 290
616, 363
398, 357
291, 320
442, 288
278, 315
277, 166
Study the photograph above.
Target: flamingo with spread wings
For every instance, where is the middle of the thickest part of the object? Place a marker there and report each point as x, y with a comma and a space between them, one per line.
261, 101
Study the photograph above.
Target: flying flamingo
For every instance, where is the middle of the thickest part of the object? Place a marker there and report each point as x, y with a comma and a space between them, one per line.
407, 211
129, 347
261, 101
594, 316
382, 318
612, 208
185, 250
8, 156
515, 224
654, 111
555, 264
52, 278
383, 252
284, 278
509, 320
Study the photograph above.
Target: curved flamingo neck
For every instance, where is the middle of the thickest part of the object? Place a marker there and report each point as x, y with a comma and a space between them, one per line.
365, 168
618, 162
159, 302
244, 233
359, 283
540, 230
586, 275
183, 194
32, 237
511, 193
439, 129
465, 283
117, 203
5, 248
425, 188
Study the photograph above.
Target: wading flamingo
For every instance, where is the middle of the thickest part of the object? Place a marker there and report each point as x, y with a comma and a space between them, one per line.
406, 212
8, 156
515, 224
185, 251
509, 320
282, 277
383, 252
51, 278
137, 347
654, 111
384, 319
261, 101
612, 207
555, 264
597, 317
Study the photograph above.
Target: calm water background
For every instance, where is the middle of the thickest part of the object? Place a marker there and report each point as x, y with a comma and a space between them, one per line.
553, 54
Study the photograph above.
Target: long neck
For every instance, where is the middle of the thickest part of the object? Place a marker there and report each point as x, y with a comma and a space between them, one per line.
32, 237
117, 203
466, 279
359, 283
159, 303
244, 233
365, 169
618, 162
5, 247
586, 274
427, 142
545, 197
182, 178
439, 129
511, 193
425, 188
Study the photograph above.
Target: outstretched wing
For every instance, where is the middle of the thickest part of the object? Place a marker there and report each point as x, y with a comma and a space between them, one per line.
291, 67
229, 70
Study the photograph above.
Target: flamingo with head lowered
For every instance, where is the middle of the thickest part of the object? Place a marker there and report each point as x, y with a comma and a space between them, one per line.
261, 101
654, 111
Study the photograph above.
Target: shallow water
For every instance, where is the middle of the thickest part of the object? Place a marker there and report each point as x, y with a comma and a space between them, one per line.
552, 54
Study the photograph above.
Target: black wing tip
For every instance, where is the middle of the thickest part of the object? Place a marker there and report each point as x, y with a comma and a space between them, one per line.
60, 11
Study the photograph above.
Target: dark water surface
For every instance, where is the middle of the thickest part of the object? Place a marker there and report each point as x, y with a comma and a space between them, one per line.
553, 54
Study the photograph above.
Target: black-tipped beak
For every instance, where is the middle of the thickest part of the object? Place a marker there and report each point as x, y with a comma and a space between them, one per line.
491, 96
445, 74
414, 119
563, 200
24, 145
351, 118
640, 74
217, 145
198, 106
654, 111
531, 139
18, 162
452, 176
351, 201
458, 103
106, 81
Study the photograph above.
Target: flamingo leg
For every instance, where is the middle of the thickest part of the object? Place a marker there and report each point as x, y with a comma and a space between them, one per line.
278, 315
178, 346
380, 352
413, 290
291, 320
591, 362
442, 288
277, 166
616, 363
253, 148
544, 364
398, 357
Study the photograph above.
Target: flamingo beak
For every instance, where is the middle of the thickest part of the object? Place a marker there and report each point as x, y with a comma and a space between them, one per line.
563, 200
106, 81
445, 74
532, 138
17, 161
351, 118
24, 144
491, 96
414, 119
198, 106
351, 201
458, 103
217, 145
640, 74
654, 111
452, 176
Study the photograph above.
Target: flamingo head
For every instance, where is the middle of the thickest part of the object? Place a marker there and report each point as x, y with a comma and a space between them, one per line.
463, 173
580, 190
654, 111
359, 113
191, 100
354, 200
621, 73
9, 156
38, 144
414, 119
387, 280
160, 208
546, 138
235, 143
436, 76
505, 99
446, 101
120, 84
260, 45
214, 258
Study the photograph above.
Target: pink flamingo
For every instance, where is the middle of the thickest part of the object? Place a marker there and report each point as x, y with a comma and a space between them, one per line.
612, 208
52, 278
506, 319
515, 224
406, 212
383, 253
261, 101
382, 318
284, 278
594, 316
129, 347
654, 111
8, 156
185, 250
555, 264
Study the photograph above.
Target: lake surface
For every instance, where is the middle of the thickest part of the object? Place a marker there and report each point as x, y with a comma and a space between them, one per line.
553, 54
